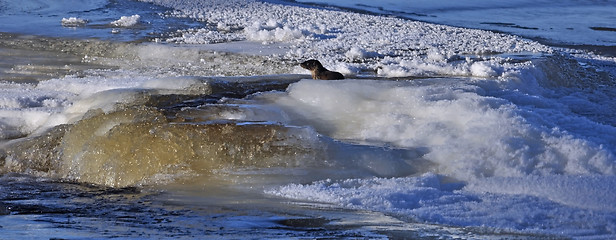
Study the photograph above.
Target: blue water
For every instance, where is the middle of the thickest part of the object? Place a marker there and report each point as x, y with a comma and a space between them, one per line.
44, 18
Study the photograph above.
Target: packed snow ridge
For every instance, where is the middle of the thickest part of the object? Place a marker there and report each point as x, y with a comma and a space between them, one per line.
350, 42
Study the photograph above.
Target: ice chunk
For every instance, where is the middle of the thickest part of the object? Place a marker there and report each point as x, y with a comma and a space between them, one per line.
126, 21
73, 22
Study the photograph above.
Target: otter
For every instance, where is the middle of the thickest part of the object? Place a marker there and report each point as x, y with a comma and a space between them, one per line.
319, 72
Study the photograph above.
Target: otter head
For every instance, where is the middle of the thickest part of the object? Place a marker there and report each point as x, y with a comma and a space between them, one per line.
311, 65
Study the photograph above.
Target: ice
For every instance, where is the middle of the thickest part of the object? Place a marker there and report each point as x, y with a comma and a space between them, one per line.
73, 22
356, 53
272, 31
584, 191
203, 36
483, 69
427, 198
470, 135
126, 21
138, 67
23, 108
177, 85
26, 109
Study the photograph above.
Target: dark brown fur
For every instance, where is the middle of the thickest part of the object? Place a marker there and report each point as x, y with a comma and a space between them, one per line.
319, 72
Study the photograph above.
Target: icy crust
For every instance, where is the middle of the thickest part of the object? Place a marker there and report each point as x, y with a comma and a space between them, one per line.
542, 205
345, 41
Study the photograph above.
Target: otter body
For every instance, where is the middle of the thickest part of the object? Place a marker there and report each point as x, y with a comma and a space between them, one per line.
319, 72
